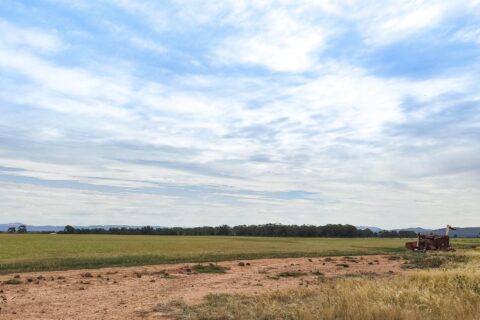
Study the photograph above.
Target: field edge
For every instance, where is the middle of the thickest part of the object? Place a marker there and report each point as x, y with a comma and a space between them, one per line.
144, 260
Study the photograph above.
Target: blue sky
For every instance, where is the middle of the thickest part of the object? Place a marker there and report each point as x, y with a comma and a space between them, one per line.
183, 113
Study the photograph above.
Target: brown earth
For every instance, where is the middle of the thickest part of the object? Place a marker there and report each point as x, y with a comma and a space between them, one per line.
133, 292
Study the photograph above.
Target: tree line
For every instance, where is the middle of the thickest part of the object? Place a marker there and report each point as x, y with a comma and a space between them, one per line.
263, 230
21, 229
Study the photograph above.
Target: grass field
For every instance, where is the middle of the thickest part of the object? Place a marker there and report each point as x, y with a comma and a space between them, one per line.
32, 252
401, 286
446, 290
38, 252
435, 294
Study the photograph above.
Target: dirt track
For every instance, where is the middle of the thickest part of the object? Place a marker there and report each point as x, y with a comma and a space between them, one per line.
126, 293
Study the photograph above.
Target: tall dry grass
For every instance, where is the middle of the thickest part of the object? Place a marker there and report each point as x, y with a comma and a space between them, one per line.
452, 292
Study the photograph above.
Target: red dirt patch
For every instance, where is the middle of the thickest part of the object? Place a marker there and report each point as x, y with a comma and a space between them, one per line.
126, 293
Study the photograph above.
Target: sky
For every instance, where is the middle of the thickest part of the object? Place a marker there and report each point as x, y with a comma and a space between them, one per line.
188, 113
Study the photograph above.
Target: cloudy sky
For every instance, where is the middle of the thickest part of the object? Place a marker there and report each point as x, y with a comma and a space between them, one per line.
183, 113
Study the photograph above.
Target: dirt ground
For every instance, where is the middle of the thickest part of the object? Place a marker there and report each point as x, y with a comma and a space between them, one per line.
131, 293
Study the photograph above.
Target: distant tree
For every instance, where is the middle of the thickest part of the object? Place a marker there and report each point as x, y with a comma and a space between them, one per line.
146, 230
12, 230
223, 230
366, 233
388, 234
407, 234
262, 230
68, 229
22, 229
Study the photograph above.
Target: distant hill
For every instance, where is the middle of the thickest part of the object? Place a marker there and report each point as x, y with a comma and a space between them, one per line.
416, 230
460, 232
374, 229
4, 227
471, 232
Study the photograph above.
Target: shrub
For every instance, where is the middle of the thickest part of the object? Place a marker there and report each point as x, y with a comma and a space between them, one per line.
210, 268
292, 274
13, 281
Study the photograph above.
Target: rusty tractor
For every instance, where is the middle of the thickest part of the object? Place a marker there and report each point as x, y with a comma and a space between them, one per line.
431, 242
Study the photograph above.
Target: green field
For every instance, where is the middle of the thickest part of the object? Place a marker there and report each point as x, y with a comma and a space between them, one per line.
37, 252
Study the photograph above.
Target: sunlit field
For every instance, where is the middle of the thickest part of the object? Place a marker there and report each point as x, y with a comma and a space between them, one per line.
447, 287
31, 252
392, 283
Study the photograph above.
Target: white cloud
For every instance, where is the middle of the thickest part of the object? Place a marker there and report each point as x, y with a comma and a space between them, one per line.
386, 25
28, 38
64, 80
470, 34
276, 40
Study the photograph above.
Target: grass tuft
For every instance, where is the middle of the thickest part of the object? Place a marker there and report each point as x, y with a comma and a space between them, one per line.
13, 281
209, 268
291, 274
393, 258
342, 265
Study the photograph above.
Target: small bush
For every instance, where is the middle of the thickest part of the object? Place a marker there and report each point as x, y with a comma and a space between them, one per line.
343, 265
13, 281
352, 275
170, 306
210, 268
292, 274
394, 257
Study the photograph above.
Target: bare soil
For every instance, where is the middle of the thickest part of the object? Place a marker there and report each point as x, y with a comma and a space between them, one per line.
133, 292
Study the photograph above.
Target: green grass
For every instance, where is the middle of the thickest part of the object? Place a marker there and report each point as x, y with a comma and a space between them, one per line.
39, 252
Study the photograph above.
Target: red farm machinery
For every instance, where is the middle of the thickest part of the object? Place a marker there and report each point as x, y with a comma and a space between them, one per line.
431, 242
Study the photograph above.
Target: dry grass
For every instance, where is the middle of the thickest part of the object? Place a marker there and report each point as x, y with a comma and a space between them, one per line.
434, 260
449, 292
